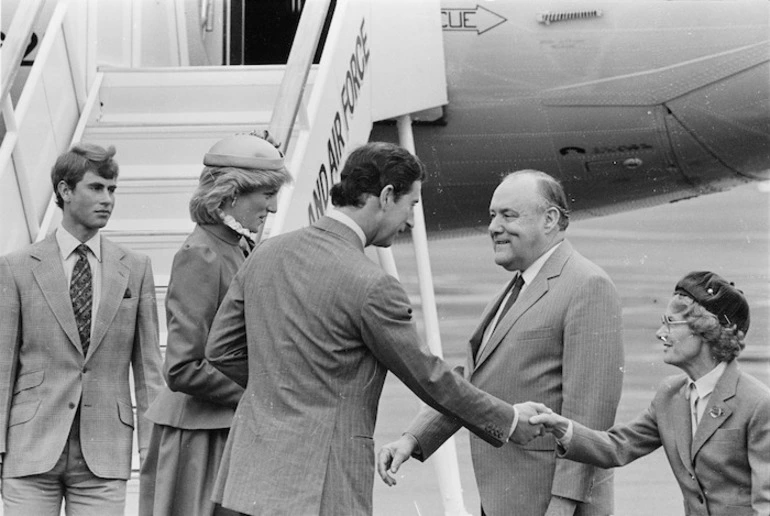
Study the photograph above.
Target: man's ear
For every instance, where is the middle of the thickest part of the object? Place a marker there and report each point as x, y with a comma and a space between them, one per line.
64, 190
386, 196
552, 216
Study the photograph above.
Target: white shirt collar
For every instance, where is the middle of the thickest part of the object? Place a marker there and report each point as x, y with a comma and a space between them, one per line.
705, 384
67, 243
344, 219
534, 269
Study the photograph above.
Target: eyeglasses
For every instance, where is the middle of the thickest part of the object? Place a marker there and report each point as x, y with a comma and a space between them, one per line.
668, 322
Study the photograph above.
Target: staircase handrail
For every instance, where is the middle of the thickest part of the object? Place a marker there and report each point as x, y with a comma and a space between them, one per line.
16, 42
298, 65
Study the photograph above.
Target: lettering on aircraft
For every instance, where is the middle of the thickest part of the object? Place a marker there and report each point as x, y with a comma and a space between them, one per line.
622, 148
564, 151
33, 40
329, 172
470, 19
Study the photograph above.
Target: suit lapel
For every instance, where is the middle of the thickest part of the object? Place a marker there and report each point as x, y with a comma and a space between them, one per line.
115, 276
717, 411
49, 275
535, 291
680, 413
486, 319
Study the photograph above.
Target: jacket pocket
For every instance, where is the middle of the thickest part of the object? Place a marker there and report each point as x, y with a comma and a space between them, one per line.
126, 413
28, 381
23, 412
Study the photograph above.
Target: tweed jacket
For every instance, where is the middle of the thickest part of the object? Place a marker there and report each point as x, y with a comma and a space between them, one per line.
44, 376
312, 325
723, 470
559, 344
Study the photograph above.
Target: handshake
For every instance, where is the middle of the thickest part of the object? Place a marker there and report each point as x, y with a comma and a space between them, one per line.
535, 419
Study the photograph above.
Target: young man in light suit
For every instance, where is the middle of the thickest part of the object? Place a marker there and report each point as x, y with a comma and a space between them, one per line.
310, 326
76, 311
554, 336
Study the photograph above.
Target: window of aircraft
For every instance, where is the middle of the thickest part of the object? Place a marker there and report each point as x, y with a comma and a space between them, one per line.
262, 31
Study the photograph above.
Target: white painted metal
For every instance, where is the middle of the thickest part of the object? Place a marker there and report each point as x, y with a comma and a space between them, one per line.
445, 462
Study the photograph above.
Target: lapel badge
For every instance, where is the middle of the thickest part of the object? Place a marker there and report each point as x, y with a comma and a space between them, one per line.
127, 293
716, 412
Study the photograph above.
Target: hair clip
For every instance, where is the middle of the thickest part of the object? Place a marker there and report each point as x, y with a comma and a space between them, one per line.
710, 291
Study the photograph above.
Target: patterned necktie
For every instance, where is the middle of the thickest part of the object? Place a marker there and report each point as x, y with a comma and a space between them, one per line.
82, 296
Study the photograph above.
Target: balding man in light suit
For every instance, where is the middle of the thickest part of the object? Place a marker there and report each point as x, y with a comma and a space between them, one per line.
310, 326
554, 336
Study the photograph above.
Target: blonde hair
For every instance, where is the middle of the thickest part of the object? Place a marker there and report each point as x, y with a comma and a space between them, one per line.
218, 184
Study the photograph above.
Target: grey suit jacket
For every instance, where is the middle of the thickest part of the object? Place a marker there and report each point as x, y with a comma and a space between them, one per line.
313, 325
44, 375
559, 344
198, 396
724, 470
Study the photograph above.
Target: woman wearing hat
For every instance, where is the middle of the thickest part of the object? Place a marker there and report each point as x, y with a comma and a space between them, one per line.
713, 422
192, 415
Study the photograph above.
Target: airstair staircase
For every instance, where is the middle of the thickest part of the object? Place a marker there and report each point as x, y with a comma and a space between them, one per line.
381, 60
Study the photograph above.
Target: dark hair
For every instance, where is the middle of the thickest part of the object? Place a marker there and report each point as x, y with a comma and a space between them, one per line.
551, 191
216, 184
72, 165
372, 167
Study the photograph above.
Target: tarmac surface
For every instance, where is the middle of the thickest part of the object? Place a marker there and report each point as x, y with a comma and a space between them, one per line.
645, 252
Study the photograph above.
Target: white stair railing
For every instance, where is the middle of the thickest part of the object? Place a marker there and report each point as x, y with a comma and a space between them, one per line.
40, 126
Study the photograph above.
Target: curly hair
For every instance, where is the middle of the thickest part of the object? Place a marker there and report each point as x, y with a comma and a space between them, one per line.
725, 342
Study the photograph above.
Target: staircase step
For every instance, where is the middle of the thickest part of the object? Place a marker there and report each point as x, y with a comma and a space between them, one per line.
244, 94
163, 145
155, 199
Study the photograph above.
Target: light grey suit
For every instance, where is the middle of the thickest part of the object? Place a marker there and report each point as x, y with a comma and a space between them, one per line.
724, 470
314, 325
44, 375
560, 344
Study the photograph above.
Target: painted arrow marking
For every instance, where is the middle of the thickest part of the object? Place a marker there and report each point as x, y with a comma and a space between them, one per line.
478, 19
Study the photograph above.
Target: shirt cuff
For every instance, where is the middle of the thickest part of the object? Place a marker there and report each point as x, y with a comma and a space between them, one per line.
515, 422
564, 441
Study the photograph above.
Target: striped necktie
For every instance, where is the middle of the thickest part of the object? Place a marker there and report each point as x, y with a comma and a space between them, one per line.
82, 296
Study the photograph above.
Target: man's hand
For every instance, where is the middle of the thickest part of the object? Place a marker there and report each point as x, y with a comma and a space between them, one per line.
525, 430
552, 423
394, 454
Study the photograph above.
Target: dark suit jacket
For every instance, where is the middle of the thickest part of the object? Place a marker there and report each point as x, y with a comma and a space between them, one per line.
559, 344
314, 325
724, 470
44, 375
198, 396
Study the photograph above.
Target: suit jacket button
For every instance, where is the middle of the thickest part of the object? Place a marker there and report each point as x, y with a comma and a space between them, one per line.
71, 405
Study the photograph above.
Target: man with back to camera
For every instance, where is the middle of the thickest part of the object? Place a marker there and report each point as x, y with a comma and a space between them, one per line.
554, 335
76, 310
314, 325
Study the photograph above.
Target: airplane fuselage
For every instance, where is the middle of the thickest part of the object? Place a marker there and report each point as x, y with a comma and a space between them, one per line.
628, 103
